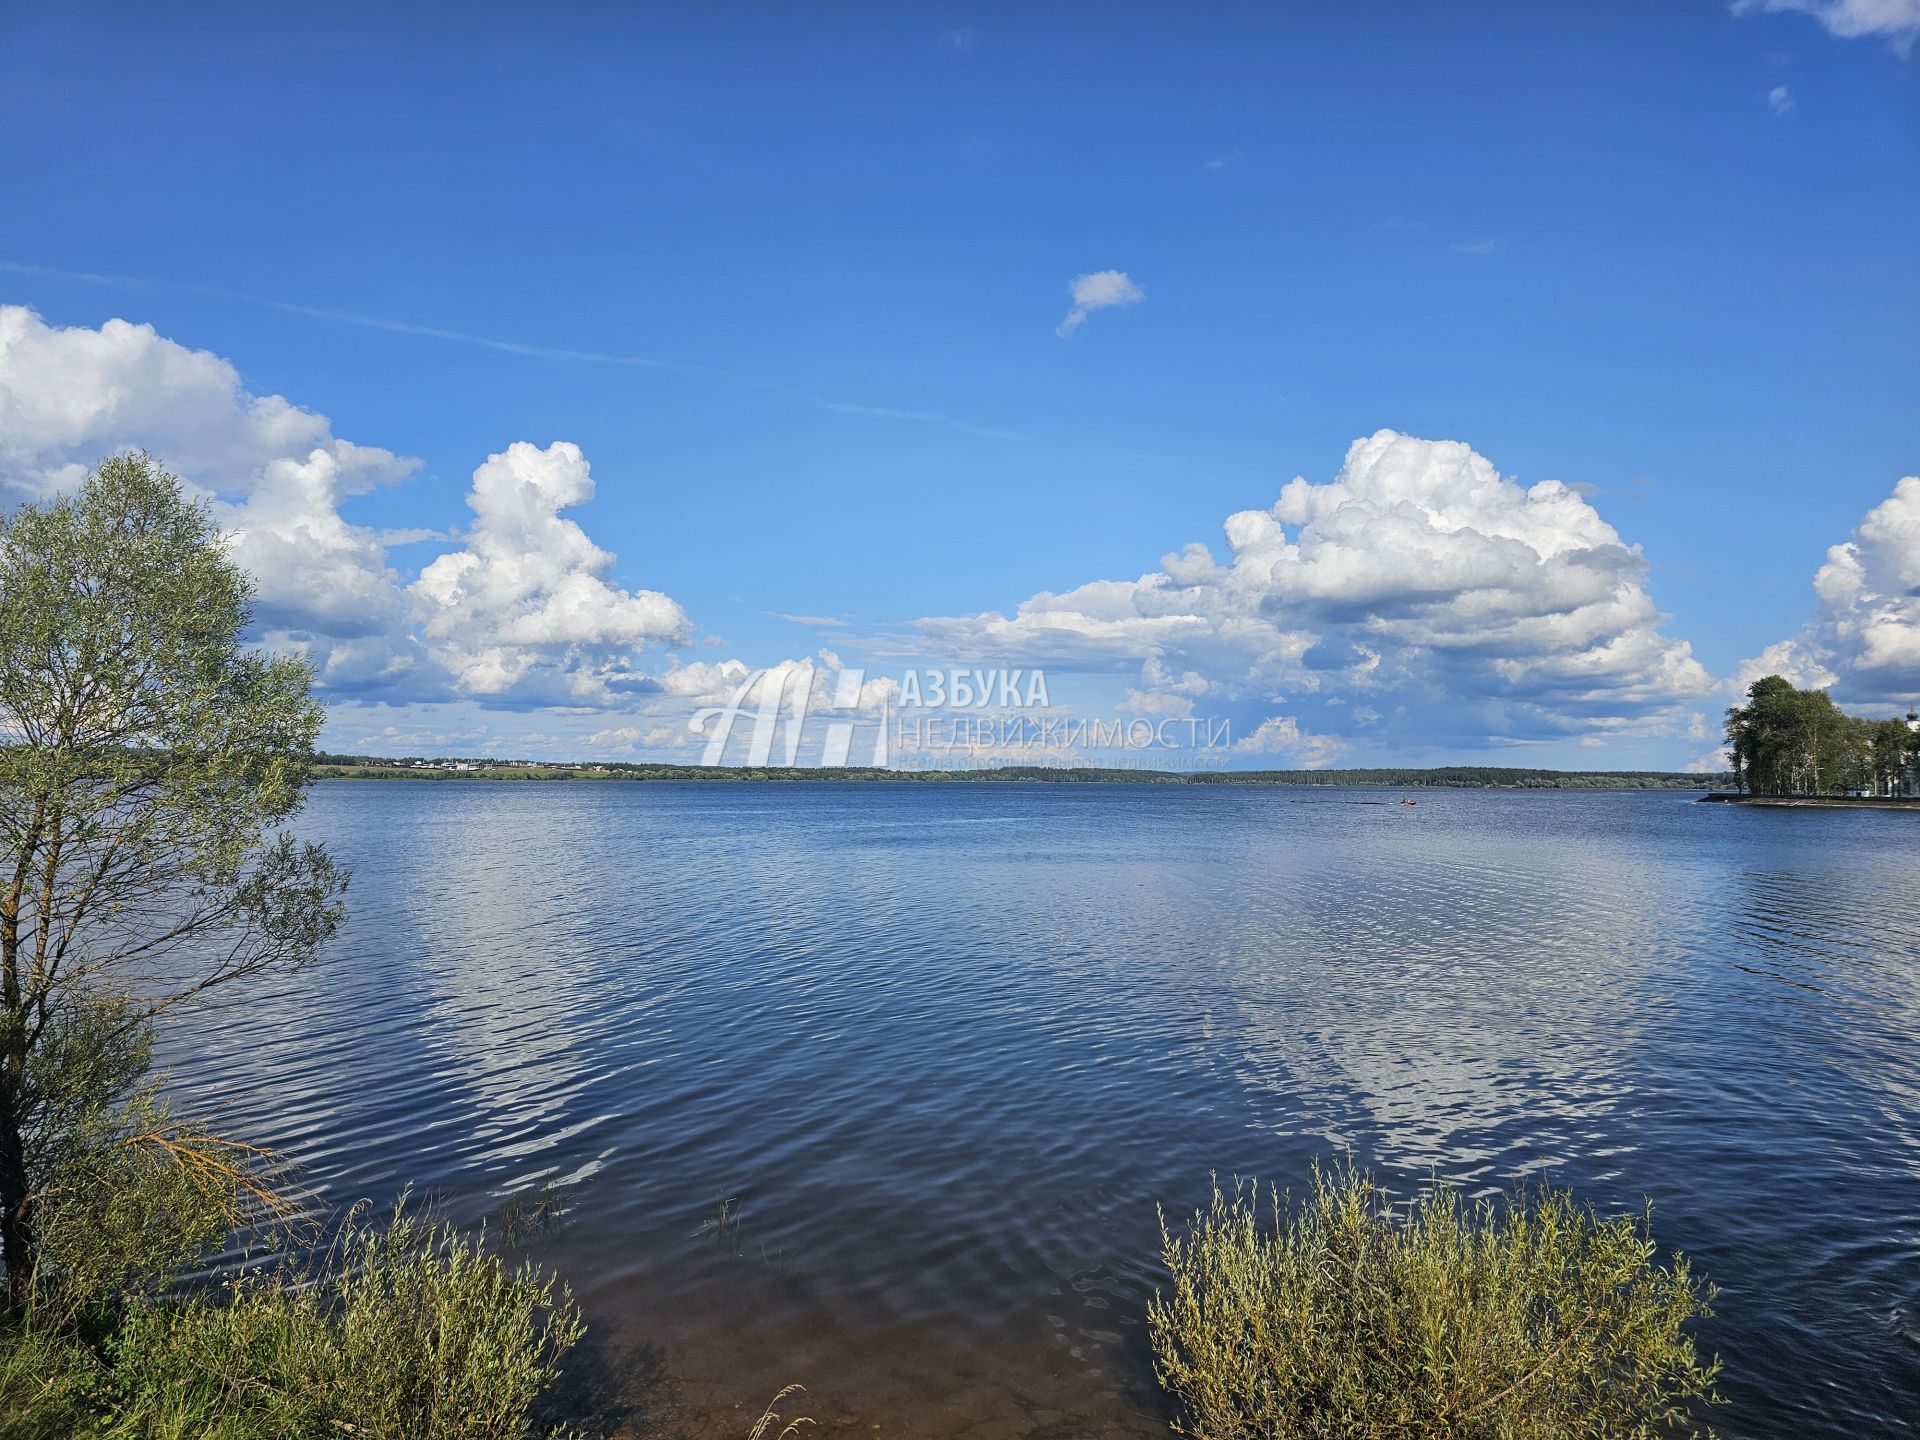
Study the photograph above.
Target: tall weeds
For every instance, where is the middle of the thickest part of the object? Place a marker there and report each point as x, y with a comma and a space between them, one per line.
1525, 1319
402, 1330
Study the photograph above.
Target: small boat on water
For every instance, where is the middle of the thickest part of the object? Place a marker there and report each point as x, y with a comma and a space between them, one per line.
1409, 802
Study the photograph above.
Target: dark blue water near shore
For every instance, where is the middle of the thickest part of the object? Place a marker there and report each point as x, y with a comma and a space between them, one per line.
946, 1047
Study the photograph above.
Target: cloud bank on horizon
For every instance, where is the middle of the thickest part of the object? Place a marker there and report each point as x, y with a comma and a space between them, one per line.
1419, 598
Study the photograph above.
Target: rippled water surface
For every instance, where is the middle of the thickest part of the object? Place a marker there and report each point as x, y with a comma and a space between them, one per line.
938, 1051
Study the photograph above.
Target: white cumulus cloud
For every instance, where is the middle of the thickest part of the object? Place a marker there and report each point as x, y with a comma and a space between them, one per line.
277, 473
66, 392
634, 737
524, 608
1282, 735
1460, 606
522, 613
1101, 290
1897, 21
1863, 639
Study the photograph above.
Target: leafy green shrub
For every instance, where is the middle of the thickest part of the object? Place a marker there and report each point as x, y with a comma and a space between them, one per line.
1523, 1320
124, 1196
407, 1332
400, 1331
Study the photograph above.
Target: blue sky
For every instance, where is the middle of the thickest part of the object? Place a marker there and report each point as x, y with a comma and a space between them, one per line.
791, 278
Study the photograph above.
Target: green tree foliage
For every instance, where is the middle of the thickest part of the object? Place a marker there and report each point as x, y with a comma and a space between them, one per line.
126, 1197
1349, 1320
1788, 741
1891, 748
147, 756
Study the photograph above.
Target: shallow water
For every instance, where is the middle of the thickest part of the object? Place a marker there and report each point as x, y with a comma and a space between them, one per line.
942, 1049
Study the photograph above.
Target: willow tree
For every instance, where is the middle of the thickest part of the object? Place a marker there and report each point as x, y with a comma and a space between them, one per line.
148, 757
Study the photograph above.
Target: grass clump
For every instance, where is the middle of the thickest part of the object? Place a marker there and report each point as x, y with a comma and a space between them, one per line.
409, 1331
399, 1329
48, 1383
1522, 1319
402, 1330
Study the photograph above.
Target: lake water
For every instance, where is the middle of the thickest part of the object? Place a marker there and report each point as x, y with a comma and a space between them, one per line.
942, 1049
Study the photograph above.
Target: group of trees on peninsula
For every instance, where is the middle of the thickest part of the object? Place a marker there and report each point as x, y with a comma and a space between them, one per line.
1789, 741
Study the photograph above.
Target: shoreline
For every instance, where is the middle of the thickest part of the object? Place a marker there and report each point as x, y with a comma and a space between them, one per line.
1456, 778
1812, 802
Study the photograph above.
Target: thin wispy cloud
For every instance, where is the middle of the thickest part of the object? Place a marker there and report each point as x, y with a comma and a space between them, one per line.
811, 620
1101, 290
1477, 247
963, 40
560, 354
458, 337
354, 318
1780, 99
84, 277
922, 417
1220, 162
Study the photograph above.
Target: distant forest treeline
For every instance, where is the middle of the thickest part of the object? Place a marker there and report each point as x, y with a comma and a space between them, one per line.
1456, 777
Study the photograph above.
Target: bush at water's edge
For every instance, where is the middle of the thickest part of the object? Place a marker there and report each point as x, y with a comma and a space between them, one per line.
1347, 1318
